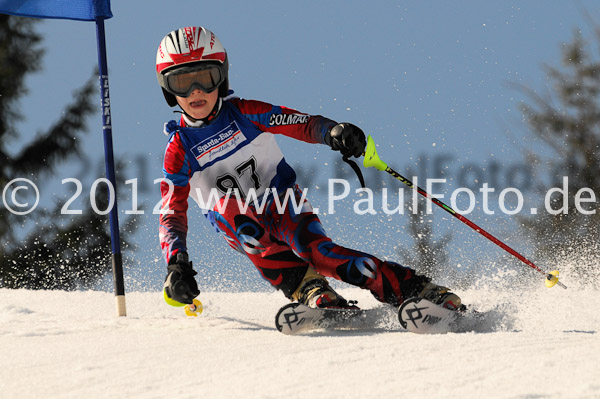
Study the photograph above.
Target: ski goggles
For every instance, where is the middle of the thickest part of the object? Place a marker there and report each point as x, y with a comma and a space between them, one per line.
183, 81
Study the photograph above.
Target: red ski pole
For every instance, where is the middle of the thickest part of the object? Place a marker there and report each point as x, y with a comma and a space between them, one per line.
372, 159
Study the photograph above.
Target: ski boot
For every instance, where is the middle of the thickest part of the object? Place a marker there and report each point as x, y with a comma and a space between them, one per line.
441, 296
314, 291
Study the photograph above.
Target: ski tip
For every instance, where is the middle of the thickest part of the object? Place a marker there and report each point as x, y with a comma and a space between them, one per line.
287, 317
420, 316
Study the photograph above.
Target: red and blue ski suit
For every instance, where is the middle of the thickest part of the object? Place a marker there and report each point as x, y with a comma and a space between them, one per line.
237, 151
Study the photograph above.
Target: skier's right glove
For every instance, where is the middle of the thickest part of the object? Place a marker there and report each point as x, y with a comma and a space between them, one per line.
180, 285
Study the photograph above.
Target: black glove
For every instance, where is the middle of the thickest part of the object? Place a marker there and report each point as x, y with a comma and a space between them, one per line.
180, 284
346, 138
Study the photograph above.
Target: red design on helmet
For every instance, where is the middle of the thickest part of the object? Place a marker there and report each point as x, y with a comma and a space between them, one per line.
186, 46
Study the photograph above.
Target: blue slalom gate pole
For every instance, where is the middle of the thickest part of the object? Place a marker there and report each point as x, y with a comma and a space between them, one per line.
117, 258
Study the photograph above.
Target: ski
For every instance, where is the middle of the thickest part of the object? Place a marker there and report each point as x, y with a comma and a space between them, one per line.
416, 315
295, 318
420, 316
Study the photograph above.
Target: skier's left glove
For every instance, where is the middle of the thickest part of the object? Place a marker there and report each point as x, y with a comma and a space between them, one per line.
180, 285
346, 138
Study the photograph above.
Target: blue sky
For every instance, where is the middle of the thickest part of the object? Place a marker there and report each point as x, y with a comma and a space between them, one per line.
431, 81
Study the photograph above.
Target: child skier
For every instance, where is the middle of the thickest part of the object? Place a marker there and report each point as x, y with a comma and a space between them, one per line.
224, 146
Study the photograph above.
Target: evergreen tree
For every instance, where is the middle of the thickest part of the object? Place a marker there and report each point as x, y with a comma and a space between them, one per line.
58, 253
567, 121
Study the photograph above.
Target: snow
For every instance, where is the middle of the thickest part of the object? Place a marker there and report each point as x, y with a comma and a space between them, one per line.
542, 343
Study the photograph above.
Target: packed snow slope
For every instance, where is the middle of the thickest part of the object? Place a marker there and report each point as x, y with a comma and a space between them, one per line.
541, 343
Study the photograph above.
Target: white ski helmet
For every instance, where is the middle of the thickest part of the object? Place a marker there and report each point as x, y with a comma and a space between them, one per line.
184, 52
